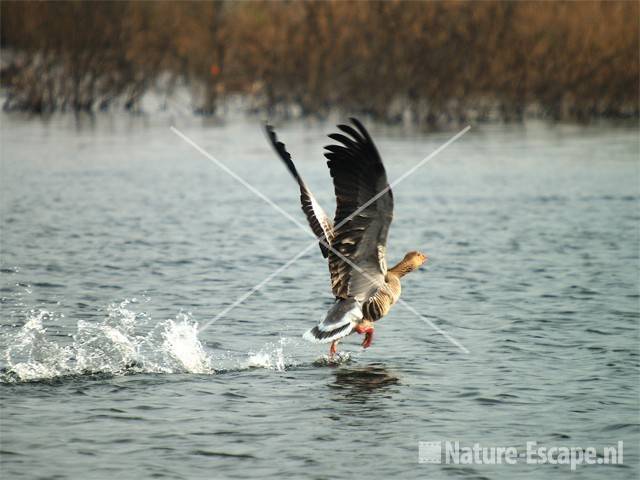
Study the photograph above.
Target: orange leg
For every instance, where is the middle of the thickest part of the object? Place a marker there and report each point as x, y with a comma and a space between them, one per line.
367, 329
333, 349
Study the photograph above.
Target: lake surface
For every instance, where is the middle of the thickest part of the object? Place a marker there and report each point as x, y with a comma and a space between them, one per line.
120, 241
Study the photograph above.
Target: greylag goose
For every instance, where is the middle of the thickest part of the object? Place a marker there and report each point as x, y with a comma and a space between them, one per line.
355, 242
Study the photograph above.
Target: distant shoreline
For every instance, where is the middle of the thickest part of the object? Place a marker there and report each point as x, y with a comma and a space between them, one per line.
236, 111
400, 111
430, 64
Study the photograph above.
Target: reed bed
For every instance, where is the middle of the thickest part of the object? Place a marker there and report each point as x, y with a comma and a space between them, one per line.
423, 62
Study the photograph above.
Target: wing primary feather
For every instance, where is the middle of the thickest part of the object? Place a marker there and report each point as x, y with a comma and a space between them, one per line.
343, 139
363, 214
350, 130
318, 220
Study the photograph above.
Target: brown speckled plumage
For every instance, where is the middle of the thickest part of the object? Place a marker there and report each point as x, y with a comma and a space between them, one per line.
355, 242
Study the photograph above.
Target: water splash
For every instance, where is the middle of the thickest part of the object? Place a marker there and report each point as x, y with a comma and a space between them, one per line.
339, 358
183, 347
112, 346
127, 342
271, 356
30, 355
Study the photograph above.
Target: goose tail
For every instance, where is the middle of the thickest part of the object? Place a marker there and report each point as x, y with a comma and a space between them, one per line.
340, 321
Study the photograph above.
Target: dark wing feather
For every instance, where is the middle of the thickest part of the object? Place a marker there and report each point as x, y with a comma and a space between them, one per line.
318, 220
358, 176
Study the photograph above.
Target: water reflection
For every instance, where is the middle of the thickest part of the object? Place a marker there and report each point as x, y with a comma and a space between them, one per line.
361, 384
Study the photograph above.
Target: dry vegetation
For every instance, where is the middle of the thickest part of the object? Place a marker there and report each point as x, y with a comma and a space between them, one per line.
430, 62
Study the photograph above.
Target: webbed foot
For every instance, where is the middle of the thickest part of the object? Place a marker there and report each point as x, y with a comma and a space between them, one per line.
368, 330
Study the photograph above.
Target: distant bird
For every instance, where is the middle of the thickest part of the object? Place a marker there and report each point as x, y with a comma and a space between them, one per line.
355, 243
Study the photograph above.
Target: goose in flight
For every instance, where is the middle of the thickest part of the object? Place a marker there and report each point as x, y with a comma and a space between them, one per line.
355, 242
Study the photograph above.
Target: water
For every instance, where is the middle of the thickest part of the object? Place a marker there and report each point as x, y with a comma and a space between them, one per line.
120, 241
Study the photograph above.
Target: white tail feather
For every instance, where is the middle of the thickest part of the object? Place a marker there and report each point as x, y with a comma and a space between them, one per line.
339, 322
311, 337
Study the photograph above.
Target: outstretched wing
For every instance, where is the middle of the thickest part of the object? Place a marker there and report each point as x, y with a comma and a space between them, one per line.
363, 214
318, 220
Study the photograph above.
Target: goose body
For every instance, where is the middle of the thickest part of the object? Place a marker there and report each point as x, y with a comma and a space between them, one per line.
355, 242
